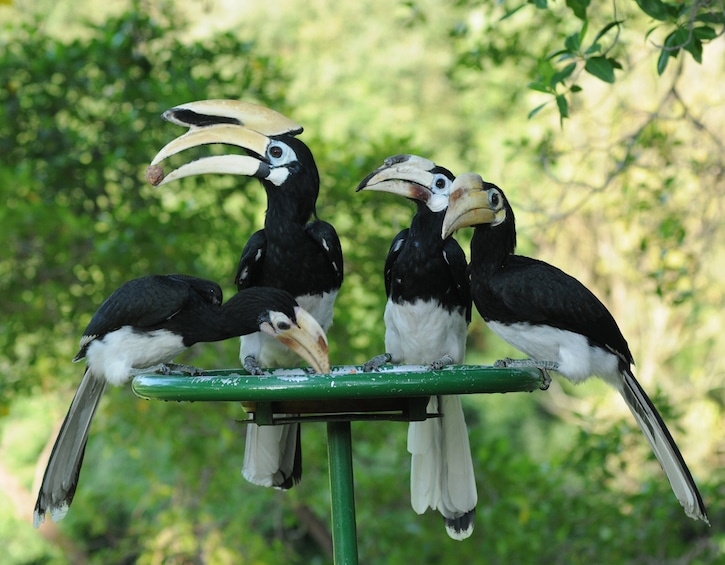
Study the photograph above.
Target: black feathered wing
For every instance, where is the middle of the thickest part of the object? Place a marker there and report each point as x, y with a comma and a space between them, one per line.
324, 234
546, 295
143, 302
251, 261
455, 257
393, 253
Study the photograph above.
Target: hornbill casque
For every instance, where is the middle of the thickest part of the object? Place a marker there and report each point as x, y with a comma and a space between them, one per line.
295, 251
426, 321
143, 325
555, 320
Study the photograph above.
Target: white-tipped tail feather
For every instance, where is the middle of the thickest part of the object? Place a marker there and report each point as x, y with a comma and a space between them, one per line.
64, 465
663, 446
434, 483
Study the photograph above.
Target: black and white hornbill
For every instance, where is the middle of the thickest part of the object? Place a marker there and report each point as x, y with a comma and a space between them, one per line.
555, 320
426, 321
295, 251
144, 324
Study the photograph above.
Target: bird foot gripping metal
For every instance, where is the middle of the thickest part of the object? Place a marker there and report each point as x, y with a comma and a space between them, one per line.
347, 393
543, 366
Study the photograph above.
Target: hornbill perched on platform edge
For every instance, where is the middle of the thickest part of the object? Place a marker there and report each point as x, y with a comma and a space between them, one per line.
426, 321
144, 324
555, 320
295, 251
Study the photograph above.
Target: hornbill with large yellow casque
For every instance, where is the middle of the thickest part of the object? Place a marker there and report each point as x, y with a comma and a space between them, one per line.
144, 324
295, 251
426, 321
555, 320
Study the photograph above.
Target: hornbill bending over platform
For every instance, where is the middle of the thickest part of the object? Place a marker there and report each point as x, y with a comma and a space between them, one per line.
144, 324
295, 251
426, 321
555, 320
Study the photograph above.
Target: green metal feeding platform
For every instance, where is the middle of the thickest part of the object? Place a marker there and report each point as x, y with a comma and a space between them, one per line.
345, 394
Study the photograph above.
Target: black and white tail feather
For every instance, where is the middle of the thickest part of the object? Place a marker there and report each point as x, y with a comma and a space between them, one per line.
663, 446
436, 483
64, 466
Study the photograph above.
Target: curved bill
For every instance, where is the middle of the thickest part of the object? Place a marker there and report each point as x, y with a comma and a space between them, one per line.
242, 165
468, 205
307, 339
226, 134
204, 113
405, 175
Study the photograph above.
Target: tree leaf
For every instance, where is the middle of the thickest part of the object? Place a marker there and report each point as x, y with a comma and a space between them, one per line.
562, 74
572, 42
694, 47
539, 87
600, 67
536, 110
606, 28
655, 9
662, 61
704, 32
711, 18
564, 53
546, 70
579, 7
650, 30
680, 38
583, 31
563, 106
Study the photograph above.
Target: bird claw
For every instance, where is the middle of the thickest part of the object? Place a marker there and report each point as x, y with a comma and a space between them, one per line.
171, 368
543, 366
545, 380
376, 362
440, 363
251, 365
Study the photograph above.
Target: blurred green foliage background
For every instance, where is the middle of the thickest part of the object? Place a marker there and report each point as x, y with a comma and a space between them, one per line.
603, 123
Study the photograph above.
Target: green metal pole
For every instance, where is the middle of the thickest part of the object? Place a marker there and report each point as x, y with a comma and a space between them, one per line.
342, 493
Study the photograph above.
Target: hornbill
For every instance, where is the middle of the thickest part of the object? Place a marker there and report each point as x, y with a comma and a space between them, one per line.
144, 324
426, 321
295, 251
555, 320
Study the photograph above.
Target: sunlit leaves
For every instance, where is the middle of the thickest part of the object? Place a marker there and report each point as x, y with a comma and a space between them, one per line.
602, 68
576, 55
685, 26
687, 34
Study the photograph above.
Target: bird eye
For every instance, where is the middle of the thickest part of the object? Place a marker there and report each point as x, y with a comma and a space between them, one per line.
283, 326
440, 183
278, 153
494, 198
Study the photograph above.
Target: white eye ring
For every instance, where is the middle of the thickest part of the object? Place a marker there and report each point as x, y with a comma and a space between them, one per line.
494, 198
441, 184
279, 153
